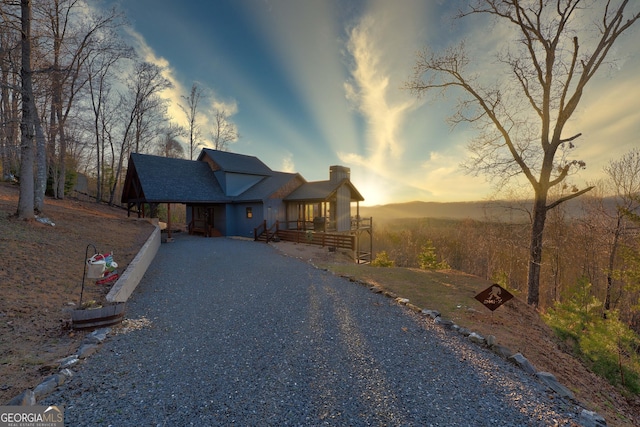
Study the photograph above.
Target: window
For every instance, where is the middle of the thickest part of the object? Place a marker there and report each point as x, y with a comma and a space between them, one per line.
249, 213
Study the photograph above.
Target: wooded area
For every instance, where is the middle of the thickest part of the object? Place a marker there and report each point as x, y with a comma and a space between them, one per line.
522, 118
590, 271
77, 97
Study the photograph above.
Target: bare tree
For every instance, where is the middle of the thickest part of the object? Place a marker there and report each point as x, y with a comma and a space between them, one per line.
73, 40
523, 123
10, 46
25, 201
224, 131
141, 101
191, 111
169, 145
624, 175
100, 68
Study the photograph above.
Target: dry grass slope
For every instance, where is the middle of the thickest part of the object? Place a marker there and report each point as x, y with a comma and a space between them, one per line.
41, 273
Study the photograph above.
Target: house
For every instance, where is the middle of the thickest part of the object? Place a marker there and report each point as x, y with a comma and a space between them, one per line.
229, 194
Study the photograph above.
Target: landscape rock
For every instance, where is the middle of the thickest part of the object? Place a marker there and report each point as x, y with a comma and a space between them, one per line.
46, 387
550, 380
464, 331
67, 374
446, 323
69, 361
87, 350
524, 363
501, 350
491, 340
591, 419
413, 307
97, 336
478, 339
431, 313
26, 398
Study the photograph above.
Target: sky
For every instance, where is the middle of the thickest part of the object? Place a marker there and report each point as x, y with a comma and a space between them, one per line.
315, 83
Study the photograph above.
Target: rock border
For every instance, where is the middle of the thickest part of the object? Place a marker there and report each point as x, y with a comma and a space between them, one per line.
587, 418
89, 345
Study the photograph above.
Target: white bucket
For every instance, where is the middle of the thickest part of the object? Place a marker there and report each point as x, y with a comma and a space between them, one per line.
95, 268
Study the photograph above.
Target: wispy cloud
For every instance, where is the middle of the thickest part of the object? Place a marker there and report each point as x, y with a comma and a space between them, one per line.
172, 94
304, 37
287, 163
369, 90
208, 103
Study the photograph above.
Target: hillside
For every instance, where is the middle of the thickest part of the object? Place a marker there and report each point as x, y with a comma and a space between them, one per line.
505, 211
41, 275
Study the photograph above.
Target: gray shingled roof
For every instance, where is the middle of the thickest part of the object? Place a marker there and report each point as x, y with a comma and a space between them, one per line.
267, 186
239, 163
320, 191
166, 180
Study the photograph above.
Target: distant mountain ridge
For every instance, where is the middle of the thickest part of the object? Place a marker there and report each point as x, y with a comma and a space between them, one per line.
498, 210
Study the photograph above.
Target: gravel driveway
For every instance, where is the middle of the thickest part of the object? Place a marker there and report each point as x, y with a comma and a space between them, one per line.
241, 334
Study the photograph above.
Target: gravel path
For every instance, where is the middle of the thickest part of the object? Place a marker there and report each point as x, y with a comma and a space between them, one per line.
241, 334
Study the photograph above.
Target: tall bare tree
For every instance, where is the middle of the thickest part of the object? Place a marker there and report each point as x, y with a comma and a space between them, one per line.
191, 111
100, 69
73, 40
224, 131
10, 47
140, 102
522, 122
624, 175
169, 145
27, 155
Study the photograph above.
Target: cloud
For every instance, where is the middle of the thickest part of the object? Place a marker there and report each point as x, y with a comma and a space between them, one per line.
303, 39
174, 93
209, 101
287, 163
369, 90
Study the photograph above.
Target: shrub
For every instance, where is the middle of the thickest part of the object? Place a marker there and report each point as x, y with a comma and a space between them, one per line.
606, 345
382, 260
428, 260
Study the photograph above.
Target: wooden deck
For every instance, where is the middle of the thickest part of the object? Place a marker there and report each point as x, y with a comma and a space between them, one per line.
299, 233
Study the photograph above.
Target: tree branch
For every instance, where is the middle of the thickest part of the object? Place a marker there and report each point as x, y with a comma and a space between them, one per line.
569, 197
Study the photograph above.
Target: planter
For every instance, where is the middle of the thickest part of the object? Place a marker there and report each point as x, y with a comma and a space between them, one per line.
97, 317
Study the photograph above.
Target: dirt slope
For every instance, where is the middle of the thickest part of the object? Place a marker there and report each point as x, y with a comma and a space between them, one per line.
41, 269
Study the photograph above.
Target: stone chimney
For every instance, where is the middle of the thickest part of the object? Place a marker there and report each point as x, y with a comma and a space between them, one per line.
338, 173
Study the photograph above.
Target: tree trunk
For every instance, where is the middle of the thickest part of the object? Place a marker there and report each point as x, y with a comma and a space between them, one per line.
62, 157
535, 250
41, 163
25, 201
612, 257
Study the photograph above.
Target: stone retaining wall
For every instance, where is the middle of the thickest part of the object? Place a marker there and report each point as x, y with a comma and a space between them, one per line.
126, 284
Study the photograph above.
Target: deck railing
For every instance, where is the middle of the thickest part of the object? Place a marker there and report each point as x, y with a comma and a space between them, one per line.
311, 233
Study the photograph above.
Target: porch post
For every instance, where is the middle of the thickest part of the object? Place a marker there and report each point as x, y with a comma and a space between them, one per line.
169, 220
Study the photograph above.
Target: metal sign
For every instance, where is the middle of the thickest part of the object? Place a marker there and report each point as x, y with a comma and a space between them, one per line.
494, 296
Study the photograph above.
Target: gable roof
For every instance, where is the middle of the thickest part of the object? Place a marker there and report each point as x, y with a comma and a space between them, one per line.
267, 186
156, 179
319, 191
236, 163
